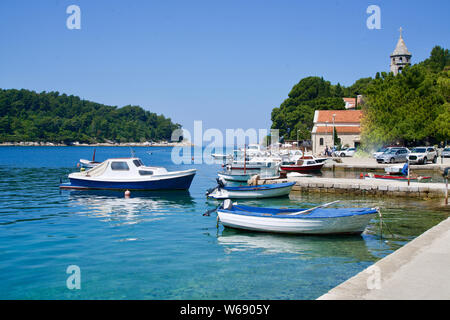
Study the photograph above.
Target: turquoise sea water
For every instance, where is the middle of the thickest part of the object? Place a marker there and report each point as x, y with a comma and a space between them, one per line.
157, 245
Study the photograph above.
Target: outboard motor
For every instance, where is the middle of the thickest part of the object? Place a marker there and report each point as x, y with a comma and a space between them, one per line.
227, 204
220, 183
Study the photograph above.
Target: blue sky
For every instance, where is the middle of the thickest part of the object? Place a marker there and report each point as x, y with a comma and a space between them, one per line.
227, 63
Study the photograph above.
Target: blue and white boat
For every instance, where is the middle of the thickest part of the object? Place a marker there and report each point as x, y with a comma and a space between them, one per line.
251, 192
318, 220
129, 174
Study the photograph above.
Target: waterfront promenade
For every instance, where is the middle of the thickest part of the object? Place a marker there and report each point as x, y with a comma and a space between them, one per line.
370, 164
377, 187
417, 271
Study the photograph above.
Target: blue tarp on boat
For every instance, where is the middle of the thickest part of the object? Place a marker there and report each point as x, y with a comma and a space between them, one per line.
283, 213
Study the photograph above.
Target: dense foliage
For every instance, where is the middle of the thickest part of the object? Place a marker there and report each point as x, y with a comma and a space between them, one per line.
410, 108
29, 116
296, 114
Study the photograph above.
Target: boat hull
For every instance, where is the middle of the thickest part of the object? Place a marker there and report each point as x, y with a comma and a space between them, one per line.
295, 168
340, 225
182, 182
235, 177
252, 192
395, 177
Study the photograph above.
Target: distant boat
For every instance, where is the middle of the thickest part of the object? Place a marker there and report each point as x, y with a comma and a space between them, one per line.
220, 156
298, 175
88, 164
129, 174
236, 177
240, 176
302, 165
318, 220
396, 177
251, 192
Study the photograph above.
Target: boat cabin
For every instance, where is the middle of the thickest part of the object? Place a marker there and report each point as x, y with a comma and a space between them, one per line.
123, 167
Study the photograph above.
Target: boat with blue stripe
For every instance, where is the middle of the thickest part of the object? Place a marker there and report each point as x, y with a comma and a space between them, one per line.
251, 192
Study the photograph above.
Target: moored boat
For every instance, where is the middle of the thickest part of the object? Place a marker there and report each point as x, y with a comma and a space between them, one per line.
236, 177
397, 177
88, 163
302, 165
129, 174
251, 192
317, 220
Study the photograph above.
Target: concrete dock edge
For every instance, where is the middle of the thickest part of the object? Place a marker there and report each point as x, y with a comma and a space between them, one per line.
420, 270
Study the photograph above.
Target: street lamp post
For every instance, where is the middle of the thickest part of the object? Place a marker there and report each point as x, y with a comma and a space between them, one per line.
334, 116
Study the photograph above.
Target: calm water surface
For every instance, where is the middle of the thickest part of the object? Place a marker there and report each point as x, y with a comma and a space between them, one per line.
157, 245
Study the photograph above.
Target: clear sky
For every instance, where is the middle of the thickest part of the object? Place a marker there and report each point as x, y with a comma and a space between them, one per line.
227, 63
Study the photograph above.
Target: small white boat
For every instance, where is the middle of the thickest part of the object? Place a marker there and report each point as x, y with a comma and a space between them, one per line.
129, 174
318, 220
298, 175
251, 192
397, 169
88, 163
220, 156
236, 177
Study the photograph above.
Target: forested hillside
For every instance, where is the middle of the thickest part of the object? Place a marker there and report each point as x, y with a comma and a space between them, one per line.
49, 116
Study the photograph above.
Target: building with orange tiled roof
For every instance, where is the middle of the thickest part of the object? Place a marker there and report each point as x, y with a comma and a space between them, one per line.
346, 122
350, 103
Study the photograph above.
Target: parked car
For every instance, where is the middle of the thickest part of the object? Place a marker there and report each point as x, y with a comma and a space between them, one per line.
395, 154
422, 155
446, 152
379, 152
348, 152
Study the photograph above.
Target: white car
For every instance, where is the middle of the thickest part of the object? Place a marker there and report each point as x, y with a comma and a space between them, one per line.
349, 152
422, 155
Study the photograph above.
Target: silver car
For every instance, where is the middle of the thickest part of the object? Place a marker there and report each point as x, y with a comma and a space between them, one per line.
446, 152
393, 155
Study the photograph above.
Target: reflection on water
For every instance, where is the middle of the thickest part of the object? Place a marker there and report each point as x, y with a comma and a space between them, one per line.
140, 206
353, 248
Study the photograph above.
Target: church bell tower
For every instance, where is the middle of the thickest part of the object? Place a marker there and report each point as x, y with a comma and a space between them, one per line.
401, 56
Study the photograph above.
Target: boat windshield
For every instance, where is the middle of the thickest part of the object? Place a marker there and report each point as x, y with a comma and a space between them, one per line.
419, 150
138, 163
119, 166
